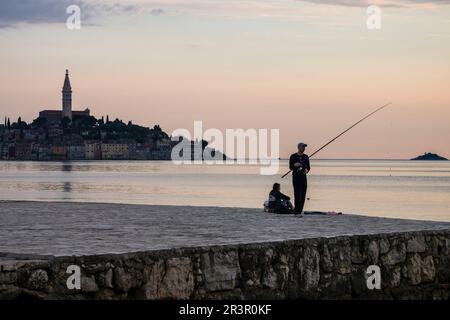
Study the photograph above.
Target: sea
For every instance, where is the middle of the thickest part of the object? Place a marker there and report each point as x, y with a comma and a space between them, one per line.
385, 188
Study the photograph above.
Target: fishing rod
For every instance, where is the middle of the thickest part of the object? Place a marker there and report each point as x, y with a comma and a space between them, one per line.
349, 128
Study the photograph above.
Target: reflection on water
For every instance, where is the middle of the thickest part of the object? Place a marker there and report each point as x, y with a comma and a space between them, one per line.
67, 185
385, 188
67, 166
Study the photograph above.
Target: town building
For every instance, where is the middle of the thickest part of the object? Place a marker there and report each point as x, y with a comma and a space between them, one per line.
66, 111
115, 151
93, 150
52, 137
43, 152
76, 152
23, 151
58, 152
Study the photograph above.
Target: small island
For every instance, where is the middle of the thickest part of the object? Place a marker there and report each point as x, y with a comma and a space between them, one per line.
429, 156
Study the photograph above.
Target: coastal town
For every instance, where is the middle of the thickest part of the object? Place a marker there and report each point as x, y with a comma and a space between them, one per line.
68, 134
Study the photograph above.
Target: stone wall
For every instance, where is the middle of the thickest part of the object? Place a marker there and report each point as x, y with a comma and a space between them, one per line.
413, 265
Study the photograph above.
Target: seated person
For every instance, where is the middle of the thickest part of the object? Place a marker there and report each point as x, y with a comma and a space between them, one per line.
279, 202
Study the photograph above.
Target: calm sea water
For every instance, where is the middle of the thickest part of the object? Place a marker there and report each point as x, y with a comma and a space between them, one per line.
405, 189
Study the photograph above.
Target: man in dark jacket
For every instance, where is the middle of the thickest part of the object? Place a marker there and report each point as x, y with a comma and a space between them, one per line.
279, 202
299, 164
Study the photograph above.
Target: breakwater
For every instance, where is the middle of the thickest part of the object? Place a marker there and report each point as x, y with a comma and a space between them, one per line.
107, 251
412, 266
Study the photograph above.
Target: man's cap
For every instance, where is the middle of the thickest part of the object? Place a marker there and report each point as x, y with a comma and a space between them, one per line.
301, 144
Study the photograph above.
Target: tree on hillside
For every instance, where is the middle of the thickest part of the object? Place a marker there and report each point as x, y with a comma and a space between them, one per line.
84, 122
39, 122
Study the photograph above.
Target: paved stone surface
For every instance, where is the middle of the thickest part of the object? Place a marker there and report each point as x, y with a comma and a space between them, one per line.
59, 228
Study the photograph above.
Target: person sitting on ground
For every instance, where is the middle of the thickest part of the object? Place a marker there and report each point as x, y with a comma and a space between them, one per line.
279, 202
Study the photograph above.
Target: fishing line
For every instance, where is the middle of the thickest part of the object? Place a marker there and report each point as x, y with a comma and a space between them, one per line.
342, 133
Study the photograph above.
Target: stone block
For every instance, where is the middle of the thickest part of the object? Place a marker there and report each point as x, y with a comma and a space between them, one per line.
416, 244
419, 270
88, 284
8, 277
326, 260
124, 280
173, 279
220, 270
37, 280
309, 271
395, 256
428, 270
384, 245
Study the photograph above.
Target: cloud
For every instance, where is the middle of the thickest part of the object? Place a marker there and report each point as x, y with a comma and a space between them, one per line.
13, 12
17, 12
34, 11
157, 12
384, 3
347, 3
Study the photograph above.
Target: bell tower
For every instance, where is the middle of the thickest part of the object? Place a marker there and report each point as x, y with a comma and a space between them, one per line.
67, 98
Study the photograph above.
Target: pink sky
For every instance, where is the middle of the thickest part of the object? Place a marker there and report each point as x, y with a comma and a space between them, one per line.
305, 68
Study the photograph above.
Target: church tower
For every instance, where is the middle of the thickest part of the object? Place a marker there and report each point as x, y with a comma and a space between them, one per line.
67, 98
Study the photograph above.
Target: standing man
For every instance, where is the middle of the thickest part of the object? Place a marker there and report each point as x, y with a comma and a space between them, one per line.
299, 164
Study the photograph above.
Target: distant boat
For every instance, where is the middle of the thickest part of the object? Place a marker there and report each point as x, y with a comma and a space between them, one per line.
429, 156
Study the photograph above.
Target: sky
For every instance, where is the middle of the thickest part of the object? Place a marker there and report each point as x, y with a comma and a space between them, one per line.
308, 68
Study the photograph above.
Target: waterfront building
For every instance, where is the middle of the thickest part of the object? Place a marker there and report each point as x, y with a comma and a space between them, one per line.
93, 150
44, 152
34, 151
4, 150
142, 151
22, 151
58, 152
76, 152
163, 144
131, 150
115, 151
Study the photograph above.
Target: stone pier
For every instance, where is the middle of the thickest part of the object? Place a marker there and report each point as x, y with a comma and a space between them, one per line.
165, 252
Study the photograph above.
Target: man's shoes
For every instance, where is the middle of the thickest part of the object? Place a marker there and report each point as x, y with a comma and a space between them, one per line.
301, 214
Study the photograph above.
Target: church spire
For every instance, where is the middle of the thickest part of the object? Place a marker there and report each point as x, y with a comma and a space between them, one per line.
67, 82
67, 97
